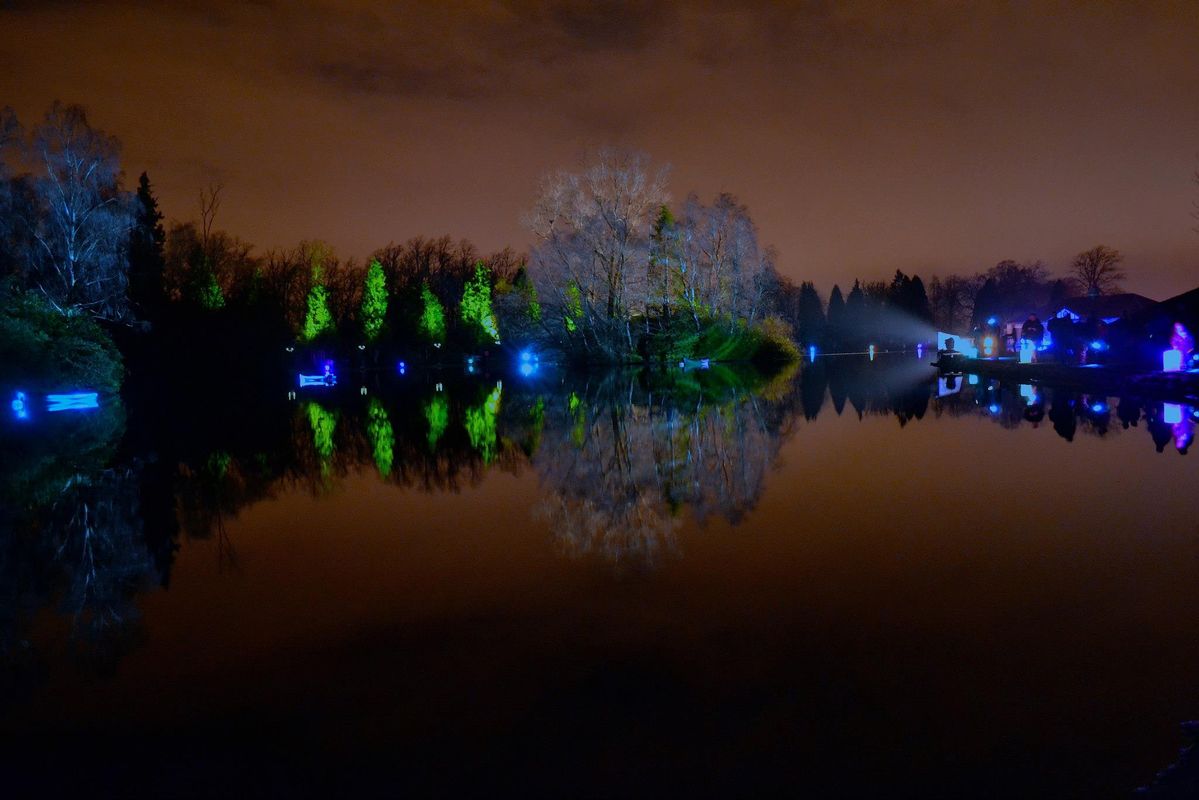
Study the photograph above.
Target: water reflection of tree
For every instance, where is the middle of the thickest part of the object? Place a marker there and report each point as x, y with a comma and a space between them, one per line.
645, 453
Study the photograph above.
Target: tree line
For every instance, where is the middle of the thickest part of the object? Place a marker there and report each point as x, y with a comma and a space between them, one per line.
616, 273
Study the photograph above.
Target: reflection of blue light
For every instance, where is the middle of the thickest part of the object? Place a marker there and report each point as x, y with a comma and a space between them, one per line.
526, 356
993, 408
972, 380
20, 406
402, 367
1098, 345
871, 351
71, 402
1099, 408
992, 320
1171, 413
328, 379
812, 352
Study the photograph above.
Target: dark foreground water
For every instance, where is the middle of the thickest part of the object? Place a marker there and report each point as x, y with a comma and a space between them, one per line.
853, 580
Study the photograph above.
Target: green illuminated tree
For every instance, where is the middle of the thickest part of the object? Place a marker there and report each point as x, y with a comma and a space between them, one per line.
432, 317
476, 305
317, 320
209, 294
374, 301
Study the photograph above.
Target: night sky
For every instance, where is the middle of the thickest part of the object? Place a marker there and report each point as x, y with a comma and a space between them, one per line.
864, 138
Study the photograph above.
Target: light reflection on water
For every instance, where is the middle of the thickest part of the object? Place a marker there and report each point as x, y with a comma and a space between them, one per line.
979, 568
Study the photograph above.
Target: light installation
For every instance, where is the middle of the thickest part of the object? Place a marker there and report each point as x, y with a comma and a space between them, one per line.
20, 406
1172, 361
78, 401
812, 353
1171, 413
871, 351
529, 363
988, 346
1028, 351
326, 378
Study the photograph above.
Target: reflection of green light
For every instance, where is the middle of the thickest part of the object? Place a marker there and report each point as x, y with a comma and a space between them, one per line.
536, 423
480, 424
381, 435
437, 412
574, 306
580, 416
323, 422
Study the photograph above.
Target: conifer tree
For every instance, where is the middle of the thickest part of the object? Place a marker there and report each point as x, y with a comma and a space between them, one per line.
476, 308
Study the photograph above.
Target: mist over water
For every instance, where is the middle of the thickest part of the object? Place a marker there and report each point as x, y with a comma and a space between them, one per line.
867, 577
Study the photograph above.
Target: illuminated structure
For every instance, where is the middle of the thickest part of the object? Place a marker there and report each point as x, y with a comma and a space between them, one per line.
327, 378
78, 401
1172, 361
20, 406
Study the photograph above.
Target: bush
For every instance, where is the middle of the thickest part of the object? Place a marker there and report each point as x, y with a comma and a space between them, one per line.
42, 350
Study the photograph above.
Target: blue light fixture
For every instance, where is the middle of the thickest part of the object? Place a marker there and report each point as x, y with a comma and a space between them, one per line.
812, 352
993, 408
20, 406
78, 401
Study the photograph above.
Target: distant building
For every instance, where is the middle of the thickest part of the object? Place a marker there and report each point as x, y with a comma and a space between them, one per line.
1105, 307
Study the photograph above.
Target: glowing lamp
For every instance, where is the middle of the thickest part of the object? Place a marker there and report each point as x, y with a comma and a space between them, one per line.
989, 346
992, 320
290, 349
972, 380
527, 369
361, 347
1171, 413
812, 352
362, 391
1099, 345
1027, 351
920, 350
871, 351
1172, 361
1099, 408
993, 408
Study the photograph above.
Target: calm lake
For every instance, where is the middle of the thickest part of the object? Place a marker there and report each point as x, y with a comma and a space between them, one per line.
851, 578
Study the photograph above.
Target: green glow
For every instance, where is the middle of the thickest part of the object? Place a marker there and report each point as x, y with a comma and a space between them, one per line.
476, 303
580, 418
480, 424
323, 422
437, 412
381, 435
218, 464
374, 301
432, 318
318, 320
536, 424
211, 296
574, 307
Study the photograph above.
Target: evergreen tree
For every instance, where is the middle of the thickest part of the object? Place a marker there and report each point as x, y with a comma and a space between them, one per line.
475, 307
920, 306
374, 301
146, 261
317, 320
835, 322
811, 316
432, 317
854, 331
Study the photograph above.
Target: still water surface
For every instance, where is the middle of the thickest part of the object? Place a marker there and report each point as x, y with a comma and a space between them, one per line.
852, 579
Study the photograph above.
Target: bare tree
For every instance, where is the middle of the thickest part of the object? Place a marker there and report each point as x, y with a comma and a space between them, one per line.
593, 244
79, 260
1098, 270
